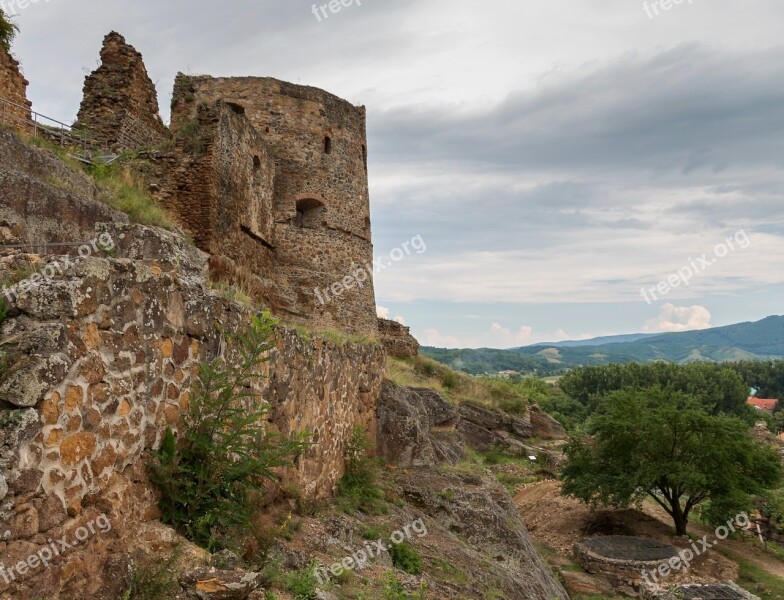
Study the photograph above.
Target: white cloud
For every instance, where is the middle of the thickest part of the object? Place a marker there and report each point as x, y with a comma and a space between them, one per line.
383, 313
432, 337
679, 318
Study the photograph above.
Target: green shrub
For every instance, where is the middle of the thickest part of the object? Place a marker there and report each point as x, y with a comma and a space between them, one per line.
406, 558
358, 490
373, 533
8, 31
393, 589
225, 452
302, 583
495, 455
514, 406
449, 380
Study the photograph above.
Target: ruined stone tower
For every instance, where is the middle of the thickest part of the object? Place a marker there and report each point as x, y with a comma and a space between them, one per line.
120, 101
268, 177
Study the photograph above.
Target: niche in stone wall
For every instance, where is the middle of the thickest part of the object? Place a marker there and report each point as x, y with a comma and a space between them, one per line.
310, 213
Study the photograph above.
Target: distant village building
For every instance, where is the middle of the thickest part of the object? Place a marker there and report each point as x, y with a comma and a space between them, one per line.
766, 404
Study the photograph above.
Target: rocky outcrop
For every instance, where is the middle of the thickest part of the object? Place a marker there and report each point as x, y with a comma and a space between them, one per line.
481, 513
397, 339
13, 87
43, 200
120, 105
417, 427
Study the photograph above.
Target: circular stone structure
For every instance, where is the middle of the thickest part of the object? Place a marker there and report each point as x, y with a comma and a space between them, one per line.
726, 590
622, 560
620, 547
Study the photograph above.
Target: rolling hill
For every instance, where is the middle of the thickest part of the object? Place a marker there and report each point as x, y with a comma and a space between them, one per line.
761, 340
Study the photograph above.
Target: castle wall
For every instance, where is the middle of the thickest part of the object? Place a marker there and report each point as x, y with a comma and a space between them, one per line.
105, 360
13, 87
217, 183
320, 205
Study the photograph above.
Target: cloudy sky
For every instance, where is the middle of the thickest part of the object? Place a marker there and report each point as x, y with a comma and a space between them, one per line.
556, 157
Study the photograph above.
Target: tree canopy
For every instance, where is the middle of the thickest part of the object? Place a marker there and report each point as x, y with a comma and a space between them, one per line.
718, 388
665, 444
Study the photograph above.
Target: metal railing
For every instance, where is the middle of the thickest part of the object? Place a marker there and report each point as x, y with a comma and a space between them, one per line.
12, 113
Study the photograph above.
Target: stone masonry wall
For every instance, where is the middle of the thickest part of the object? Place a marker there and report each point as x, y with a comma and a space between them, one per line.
320, 205
397, 339
13, 87
217, 184
120, 105
101, 362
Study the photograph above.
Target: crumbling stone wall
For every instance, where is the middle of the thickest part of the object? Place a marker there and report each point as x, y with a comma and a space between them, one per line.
397, 339
320, 206
120, 104
268, 177
13, 87
217, 184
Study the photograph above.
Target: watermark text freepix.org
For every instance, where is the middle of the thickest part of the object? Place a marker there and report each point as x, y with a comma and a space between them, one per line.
652, 8
360, 558
694, 267
55, 548
334, 7
363, 273
9, 7
103, 243
685, 557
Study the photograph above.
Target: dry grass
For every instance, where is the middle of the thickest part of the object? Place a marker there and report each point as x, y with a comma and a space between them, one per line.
456, 387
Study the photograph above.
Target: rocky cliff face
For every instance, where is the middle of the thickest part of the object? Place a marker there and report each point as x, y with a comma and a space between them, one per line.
420, 430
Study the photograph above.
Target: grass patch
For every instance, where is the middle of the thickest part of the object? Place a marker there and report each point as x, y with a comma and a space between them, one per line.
233, 292
302, 583
420, 371
127, 193
757, 580
447, 572
153, 580
358, 490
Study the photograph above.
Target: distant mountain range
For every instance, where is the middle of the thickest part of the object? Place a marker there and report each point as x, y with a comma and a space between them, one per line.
761, 340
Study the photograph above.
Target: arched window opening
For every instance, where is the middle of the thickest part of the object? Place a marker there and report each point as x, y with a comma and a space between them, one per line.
327, 145
310, 213
256, 163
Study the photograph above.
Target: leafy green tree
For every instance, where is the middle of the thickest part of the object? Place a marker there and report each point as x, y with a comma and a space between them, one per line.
719, 388
665, 445
226, 451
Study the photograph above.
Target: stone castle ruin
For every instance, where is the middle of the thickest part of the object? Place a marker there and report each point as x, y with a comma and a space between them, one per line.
100, 360
269, 178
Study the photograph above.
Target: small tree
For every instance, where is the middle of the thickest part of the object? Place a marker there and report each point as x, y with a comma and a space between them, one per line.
664, 445
226, 450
